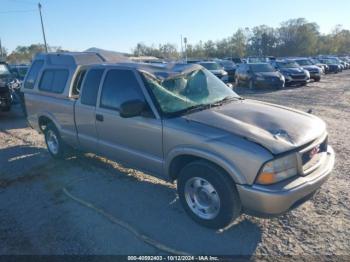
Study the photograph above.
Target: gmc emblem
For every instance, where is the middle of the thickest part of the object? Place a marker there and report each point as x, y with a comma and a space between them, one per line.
314, 151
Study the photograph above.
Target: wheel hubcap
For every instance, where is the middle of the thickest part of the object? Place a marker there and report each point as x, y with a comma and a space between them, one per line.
52, 142
202, 198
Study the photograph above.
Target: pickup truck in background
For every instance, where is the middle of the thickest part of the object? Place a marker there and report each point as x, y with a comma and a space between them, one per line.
228, 155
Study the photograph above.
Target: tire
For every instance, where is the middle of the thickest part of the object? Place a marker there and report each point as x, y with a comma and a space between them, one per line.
54, 142
236, 82
251, 84
6, 109
209, 177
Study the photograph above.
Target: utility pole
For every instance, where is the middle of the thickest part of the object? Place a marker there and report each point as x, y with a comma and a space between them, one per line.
185, 41
1, 53
42, 27
182, 50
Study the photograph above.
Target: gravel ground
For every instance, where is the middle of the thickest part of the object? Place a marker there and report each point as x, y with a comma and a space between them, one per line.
38, 217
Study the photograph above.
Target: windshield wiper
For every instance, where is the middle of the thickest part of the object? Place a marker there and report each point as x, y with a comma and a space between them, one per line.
190, 109
225, 100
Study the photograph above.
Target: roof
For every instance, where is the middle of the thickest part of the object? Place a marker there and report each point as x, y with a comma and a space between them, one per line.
160, 70
77, 58
72, 59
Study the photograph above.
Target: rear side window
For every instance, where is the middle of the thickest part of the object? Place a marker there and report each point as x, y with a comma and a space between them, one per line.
54, 80
33, 74
120, 86
90, 87
77, 82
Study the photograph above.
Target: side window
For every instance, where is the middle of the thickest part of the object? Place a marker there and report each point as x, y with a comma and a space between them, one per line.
54, 80
90, 87
119, 86
33, 74
77, 82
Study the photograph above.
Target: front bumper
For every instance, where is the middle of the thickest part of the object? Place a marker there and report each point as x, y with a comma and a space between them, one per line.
279, 198
268, 83
315, 76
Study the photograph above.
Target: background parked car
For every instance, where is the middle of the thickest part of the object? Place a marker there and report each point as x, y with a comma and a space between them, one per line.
292, 72
230, 68
259, 75
6, 91
333, 66
216, 69
19, 71
315, 71
320, 65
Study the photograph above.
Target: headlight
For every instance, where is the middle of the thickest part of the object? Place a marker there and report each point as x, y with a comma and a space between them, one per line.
278, 169
260, 78
307, 73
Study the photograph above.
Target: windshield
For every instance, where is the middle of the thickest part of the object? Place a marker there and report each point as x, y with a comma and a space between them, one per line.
4, 70
197, 88
287, 65
211, 66
257, 68
227, 64
304, 62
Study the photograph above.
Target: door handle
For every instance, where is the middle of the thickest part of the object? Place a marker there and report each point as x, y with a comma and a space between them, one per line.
99, 117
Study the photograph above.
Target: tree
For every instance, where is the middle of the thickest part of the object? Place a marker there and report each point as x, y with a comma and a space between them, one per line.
25, 54
298, 37
295, 37
240, 42
263, 41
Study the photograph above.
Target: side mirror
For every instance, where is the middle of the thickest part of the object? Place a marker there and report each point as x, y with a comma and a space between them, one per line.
229, 85
132, 108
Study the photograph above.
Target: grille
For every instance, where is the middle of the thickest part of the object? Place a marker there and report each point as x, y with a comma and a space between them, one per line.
311, 158
298, 77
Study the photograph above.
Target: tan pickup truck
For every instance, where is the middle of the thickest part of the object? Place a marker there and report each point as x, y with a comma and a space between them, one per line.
228, 154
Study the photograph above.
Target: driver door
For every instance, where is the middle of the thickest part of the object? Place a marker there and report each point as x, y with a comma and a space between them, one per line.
135, 141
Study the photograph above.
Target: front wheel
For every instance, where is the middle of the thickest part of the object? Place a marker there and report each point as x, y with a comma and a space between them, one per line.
251, 84
236, 82
6, 108
208, 196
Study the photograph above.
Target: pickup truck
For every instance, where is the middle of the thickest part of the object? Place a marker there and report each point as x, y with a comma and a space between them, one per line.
229, 155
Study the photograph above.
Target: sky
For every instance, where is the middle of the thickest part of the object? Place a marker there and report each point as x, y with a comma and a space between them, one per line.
120, 24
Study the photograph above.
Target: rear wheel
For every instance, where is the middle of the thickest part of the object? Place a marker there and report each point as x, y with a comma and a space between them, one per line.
54, 142
208, 196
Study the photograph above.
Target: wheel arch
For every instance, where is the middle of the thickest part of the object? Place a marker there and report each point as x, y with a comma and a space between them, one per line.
181, 157
44, 119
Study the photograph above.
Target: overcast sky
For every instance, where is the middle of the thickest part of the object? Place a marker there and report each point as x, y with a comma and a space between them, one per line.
119, 25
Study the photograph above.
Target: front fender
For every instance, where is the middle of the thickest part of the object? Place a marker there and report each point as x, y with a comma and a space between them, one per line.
230, 168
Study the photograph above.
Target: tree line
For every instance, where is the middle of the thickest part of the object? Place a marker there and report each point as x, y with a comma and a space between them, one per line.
295, 37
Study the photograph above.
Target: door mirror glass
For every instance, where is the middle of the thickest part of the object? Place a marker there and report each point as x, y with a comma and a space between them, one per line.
132, 108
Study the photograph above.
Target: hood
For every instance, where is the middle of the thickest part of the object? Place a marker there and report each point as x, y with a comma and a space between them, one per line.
292, 70
218, 72
278, 129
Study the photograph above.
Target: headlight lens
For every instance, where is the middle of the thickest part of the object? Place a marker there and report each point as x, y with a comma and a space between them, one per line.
307, 73
260, 78
278, 169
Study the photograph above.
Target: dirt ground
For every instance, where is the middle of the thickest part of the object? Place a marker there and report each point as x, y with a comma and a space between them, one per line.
88, 205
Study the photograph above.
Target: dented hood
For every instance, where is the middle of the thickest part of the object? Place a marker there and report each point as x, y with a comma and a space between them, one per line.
277, 128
